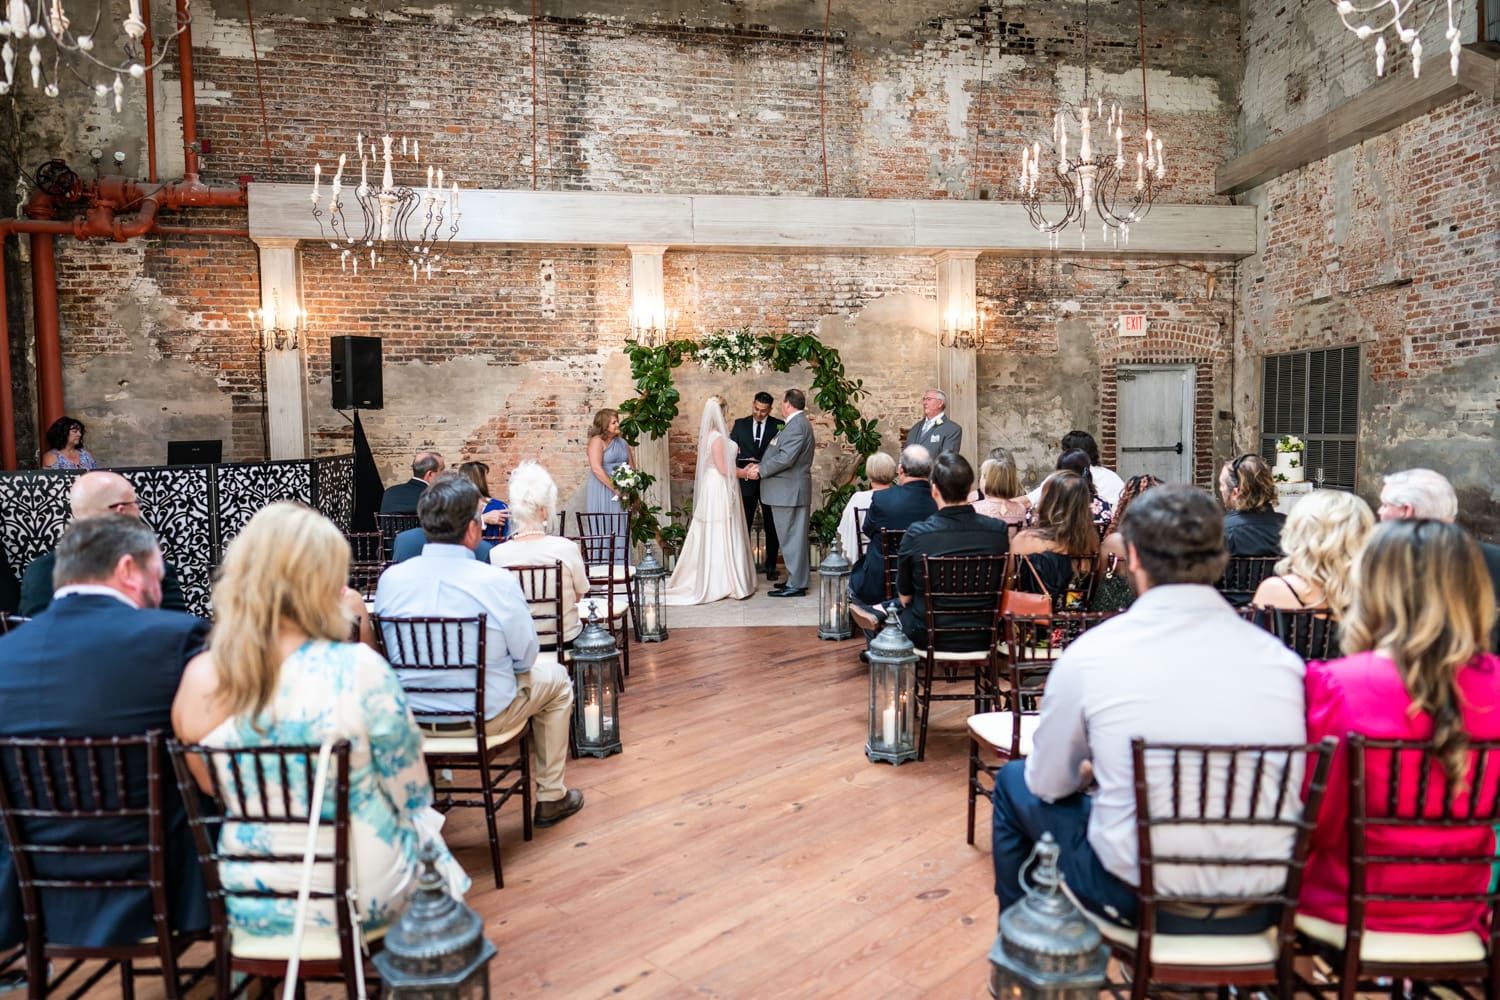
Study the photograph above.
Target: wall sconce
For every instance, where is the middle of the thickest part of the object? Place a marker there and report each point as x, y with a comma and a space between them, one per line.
270, 331
652, 325
962, 330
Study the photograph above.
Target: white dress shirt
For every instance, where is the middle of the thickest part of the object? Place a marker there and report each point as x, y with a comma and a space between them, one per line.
1180, 666
447, 581
1106, 483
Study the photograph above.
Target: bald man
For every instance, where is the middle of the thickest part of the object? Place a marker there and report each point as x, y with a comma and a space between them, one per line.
94, 494
402, 498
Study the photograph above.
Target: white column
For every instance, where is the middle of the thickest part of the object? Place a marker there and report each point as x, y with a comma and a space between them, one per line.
648, 306
286, 379
957, 370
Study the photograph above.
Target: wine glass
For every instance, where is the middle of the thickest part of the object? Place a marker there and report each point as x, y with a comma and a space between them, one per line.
1318, 477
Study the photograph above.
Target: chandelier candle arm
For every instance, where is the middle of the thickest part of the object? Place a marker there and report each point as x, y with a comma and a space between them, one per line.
1408, 19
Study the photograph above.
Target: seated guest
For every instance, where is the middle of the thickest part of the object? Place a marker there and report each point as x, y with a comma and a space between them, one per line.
1078, 461
1417, 670
998, 483
494, 513
65, 446
1107, 484
447, 581
880, 469
402, 498
1165, 670
533, 498
955, 530
1113, 591
1064, 532
1427, 494
94, 494
1253, 525
281, 671
102, 661
1322, 536
909, 501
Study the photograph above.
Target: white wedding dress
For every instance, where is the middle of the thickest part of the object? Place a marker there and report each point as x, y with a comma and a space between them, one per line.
715, 561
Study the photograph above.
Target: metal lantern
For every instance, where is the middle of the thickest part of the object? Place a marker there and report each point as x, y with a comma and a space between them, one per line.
758, 540
437, 949
596, 687
1046, 947
833, 596
650, 581
893, 697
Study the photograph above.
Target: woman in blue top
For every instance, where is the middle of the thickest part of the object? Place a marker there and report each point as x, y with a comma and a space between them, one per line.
494, 513
607, 452
279, 673
65, 446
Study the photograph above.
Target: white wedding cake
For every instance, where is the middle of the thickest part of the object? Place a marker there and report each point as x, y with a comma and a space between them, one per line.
1289, 467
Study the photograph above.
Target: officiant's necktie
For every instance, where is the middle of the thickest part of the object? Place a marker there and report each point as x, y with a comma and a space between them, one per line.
759, 426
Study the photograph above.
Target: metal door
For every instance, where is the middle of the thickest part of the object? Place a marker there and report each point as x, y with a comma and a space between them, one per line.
1155, 421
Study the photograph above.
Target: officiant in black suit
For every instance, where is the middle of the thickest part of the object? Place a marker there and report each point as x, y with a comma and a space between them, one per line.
753, 434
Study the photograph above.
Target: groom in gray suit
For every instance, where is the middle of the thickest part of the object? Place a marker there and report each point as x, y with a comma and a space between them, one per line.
785, 473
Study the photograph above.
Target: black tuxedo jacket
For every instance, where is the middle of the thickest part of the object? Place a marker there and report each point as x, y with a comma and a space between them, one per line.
897, 508
402, 498
743, 434
91, 665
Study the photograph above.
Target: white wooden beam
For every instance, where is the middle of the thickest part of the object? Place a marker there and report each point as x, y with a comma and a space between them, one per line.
720, 222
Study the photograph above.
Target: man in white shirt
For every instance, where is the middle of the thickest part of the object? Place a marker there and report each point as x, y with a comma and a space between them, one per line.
1179, 667
1107, 482
447, 581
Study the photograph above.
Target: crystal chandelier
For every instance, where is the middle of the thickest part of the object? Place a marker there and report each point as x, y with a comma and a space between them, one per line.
1095, 180
53, 35
1408, 18
411, 223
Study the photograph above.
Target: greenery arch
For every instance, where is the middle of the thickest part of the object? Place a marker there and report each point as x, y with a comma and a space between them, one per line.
654, 406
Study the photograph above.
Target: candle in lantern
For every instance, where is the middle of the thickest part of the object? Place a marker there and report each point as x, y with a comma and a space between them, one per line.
888, 724
649, 616
591, 722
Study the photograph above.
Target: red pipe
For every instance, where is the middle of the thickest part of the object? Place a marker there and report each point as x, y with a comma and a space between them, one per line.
189, 108
150, 96
196, 231
49, 390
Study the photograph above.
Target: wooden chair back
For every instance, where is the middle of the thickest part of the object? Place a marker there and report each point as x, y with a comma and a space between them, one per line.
542, 585
1250, 792
859, 532
438, 656
1242, 575
890, 546
1400, 785
391, 525
962, 596
62, 804
272, 786
1074, 595
9, 620
1309, 632
367, 560
603, 524
609, 587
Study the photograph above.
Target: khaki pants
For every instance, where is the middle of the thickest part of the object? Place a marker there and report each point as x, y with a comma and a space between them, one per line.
545, 696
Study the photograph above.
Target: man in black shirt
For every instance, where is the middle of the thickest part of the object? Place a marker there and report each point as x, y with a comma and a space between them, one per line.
1253, 525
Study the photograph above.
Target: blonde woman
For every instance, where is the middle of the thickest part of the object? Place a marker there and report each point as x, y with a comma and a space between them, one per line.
1416, 669
279, 671
1322, 535
880, 469
998, 483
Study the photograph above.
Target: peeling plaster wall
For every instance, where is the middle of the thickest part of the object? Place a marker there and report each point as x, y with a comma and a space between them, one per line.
1390, 245
921, 99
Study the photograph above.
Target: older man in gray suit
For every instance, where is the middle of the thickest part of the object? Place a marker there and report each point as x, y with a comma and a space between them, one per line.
785, 473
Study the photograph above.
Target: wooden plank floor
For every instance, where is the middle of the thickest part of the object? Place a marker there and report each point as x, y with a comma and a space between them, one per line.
742, 845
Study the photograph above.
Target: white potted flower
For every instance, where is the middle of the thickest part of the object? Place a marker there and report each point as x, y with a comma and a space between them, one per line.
1289, 467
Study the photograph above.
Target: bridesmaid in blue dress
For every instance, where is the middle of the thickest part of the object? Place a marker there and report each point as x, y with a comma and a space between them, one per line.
607, 452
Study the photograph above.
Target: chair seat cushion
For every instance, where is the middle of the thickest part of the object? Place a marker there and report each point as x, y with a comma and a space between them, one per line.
318, 944
1227, 950
1391, 946
943, 655
465, 744
996, 730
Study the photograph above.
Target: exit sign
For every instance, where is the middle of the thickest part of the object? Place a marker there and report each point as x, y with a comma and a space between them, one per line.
1132, 326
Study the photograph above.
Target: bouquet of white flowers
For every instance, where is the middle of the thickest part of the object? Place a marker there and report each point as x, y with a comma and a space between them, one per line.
1288, 443
629, 481
731, 351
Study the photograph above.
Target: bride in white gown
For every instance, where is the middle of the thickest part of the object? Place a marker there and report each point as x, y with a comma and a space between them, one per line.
715, 561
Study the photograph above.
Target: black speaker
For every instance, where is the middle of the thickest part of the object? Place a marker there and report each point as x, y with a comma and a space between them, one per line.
356, 373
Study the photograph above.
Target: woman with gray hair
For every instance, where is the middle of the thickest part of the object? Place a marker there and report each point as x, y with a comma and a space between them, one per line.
533, 502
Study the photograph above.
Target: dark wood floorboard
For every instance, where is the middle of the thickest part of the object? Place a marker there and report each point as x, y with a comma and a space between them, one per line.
742, 846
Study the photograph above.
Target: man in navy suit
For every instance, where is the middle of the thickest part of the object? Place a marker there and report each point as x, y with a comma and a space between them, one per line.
402, 498
897, 508
102, 660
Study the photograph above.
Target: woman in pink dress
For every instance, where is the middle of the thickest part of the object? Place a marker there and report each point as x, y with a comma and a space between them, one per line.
1417, 669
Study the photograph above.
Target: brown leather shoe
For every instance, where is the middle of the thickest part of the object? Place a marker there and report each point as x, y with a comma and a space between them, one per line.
552, 813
